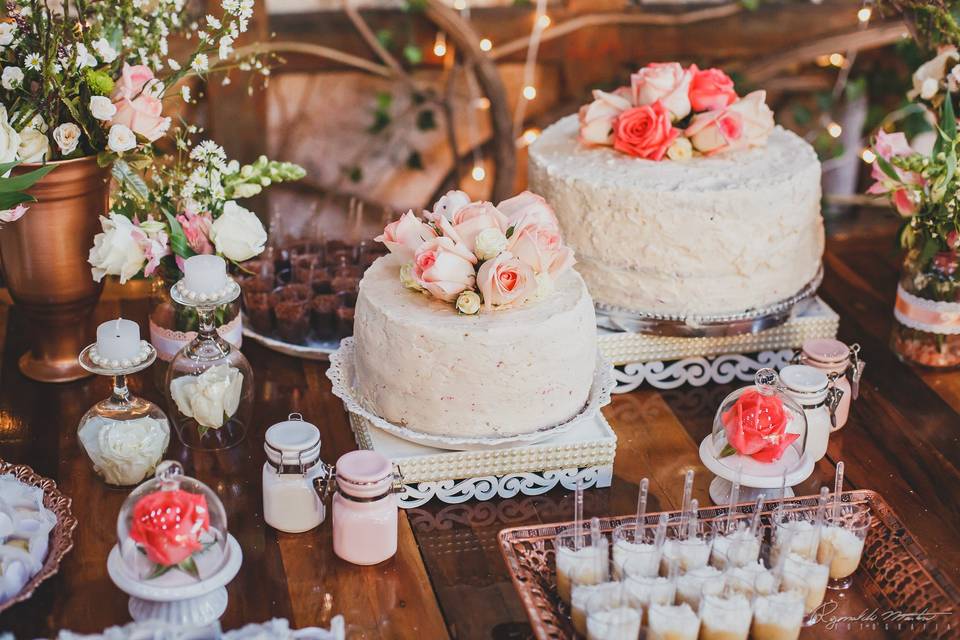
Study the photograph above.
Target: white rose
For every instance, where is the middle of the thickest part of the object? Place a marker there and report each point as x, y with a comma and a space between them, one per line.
67, 137
448, 204
34, 146
927, 77
11, 78
468, 303
407, 279
106, 52
121, 138
102, 108
210, 398
116, 252
125, 452
37, 122
680, 150
489, 243
238, 233
7, 30
9, 138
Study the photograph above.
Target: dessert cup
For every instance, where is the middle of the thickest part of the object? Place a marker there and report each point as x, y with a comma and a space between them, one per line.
778, 616
583, 596
637, 548
324, 314
642, 593
669, 622
795, 531
620, 623
842, 537
725, 617
752, 580
578, 562
809, 578
736, 546
692, 585
687, 545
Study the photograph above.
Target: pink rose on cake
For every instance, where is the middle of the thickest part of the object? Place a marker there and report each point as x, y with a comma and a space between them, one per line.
444, 268
710, 89
447, 205
541, 248
505, 280
528, 208
644, 132
404, 236
596, 118
473, 218
665, 82
745, 123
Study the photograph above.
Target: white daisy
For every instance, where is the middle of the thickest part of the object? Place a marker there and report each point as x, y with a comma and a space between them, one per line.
33, 61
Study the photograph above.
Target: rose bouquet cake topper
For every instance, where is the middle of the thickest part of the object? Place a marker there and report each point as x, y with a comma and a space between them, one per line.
476, 255
668, 111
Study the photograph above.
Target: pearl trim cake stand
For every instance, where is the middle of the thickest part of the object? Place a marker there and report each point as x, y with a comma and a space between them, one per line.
199, 604
798, 469
668, 362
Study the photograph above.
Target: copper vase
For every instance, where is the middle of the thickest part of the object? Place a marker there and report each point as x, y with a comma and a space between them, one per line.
44, 259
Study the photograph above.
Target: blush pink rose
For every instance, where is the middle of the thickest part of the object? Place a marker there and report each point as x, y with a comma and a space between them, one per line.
528, 208
664, 82
154, 246
901, 194
404, 236
542, 249
710, 89
747, 122
504, 280
596, 118
444, 268
136, 107
470, 220
448, 204
644, 132
196, 227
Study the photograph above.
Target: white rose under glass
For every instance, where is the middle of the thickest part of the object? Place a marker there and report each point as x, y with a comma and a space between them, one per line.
124, 436
209, 383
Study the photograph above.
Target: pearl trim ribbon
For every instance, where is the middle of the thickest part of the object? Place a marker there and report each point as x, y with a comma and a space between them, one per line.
107, 363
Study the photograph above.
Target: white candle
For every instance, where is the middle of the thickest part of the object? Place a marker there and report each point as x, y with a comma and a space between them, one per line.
118, 339
205, 274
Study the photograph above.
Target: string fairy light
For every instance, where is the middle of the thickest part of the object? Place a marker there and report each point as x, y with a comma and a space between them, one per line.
478, 173
485, 44
540, 22
868, 156
440, 44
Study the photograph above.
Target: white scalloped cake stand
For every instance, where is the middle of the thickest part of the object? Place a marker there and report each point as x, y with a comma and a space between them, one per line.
755, 477
668, 362
199, 604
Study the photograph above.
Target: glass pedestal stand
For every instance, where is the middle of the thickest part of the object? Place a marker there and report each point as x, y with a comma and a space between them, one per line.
209, 383
124, 436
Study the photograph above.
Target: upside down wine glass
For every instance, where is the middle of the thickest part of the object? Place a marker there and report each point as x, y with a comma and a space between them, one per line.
209, 384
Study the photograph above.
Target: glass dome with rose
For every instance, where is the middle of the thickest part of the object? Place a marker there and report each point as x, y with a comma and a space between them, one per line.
172, 530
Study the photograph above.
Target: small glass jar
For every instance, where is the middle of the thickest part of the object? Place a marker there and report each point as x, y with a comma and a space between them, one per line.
811, 389
291, 503
926, 330
364, 508
842, 364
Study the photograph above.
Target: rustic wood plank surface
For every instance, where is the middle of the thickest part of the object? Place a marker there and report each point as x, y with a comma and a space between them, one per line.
448, 579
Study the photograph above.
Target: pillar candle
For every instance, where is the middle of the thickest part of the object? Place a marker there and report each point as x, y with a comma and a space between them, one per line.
205, 274
118, 339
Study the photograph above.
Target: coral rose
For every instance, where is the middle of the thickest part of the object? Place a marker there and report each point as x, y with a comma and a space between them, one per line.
710, 89
756, 426
644, 132
168, 524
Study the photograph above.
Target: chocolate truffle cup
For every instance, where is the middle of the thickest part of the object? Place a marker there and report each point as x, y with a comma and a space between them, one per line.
293, 321
324, 315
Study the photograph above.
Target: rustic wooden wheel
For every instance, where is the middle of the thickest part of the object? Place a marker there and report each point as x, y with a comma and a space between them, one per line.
463, 44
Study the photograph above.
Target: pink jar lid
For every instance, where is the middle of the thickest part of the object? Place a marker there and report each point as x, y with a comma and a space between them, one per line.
364, 474
826, 350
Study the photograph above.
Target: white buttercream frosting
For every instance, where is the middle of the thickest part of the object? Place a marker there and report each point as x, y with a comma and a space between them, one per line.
515, 370
710, 235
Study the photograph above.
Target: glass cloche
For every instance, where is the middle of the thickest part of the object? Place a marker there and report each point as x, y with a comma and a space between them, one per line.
209, 383
758, 430
172, 530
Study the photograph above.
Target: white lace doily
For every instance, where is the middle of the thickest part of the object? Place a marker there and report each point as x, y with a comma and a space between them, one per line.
341, 374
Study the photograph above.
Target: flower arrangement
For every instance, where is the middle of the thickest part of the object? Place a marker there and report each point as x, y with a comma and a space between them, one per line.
184, 208
170, 527
476, 255
668, 111
756, 426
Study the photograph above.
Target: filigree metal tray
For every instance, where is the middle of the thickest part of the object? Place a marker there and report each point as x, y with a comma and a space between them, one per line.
895, 575
61, 538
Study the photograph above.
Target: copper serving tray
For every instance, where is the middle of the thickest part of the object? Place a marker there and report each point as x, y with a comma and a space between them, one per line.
896, 579
61, 537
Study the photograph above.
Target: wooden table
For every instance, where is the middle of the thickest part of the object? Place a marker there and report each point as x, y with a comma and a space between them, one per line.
448, 579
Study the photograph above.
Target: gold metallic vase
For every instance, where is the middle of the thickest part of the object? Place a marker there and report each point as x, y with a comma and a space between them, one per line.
44, 259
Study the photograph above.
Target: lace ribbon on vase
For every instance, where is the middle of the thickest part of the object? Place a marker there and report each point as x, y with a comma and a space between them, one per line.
931, 316
168, 342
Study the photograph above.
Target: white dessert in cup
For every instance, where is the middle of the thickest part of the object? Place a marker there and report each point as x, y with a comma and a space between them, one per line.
725, 617
778, 616
672, 622
797, 536
735, 549
753, 579
584, 566
689, 553
582, 595
642, 593
808, 576
643, 558
844, 547
693, 584
620, 623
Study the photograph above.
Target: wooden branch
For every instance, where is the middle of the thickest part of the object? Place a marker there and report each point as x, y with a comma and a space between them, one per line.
602, 19
319, 51
371, 39
874, 36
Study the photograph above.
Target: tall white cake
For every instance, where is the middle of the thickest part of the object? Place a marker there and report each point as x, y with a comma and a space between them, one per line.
709, 235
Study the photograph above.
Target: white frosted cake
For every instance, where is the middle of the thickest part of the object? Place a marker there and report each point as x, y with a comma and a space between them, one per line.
487, 370
708, 234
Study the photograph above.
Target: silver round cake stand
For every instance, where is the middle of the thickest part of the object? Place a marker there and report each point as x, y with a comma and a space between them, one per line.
617, 318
